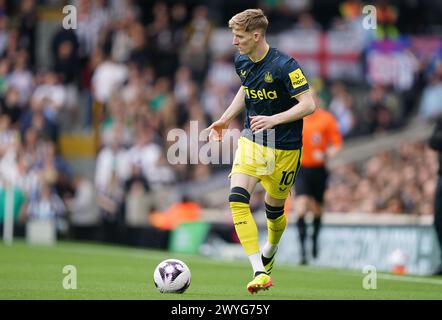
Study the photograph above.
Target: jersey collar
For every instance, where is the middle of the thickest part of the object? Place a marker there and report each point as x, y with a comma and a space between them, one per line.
262, 58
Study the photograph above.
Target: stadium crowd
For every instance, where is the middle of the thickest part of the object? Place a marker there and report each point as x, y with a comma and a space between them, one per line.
391, 182
148, 69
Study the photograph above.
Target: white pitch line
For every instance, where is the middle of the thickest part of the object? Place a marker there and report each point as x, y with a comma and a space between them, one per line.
355, 273
409, 279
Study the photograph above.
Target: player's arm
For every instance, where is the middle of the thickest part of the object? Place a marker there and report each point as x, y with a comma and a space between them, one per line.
303, 108
333, 150
235, 108
300, 110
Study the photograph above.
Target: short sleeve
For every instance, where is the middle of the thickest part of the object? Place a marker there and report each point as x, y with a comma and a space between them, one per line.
294, 79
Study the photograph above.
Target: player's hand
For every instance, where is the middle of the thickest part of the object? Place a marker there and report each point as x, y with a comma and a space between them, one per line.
318, 155
260, 123
217, 130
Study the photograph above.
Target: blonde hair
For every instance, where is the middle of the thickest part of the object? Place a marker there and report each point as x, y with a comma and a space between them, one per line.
249, 20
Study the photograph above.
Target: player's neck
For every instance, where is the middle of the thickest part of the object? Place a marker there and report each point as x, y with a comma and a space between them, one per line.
260, 52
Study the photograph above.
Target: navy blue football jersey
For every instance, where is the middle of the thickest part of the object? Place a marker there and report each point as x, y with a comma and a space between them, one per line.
271, 86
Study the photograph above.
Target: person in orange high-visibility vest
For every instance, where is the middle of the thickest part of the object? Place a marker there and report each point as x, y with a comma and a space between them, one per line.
321, 141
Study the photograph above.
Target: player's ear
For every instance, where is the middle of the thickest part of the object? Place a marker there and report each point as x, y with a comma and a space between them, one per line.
257, 35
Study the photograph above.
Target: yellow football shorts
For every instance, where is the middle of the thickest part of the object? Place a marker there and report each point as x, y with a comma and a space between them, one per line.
275, 168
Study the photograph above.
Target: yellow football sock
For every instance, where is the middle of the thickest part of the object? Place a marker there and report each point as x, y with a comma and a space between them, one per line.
245, 225
276, 223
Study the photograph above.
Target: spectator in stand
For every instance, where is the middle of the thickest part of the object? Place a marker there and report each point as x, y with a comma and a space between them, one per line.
108, 76
140, 52
28, 28
430, 105
37, 119
83, 210
381, 110
52, 94
32, 146
121, 40
161, 37
9, 145
56, 169
220, 73
163, 103
135, 89
10, 106
136, 176
145, 151
4, 70
19, 200
47, 205
215, 97
195, 51
21, 77
65, 55
4, 34
178, 21
341, 105
138, 202
184, 89
7, 133
117, 121
112, 159
110, 202
12, 47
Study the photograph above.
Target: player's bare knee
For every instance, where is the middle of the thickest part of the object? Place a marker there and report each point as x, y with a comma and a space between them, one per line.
273, 201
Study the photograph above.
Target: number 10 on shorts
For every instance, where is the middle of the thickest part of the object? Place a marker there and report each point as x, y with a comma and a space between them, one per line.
287, 178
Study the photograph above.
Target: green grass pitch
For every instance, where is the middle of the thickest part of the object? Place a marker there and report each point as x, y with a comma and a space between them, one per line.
115, 272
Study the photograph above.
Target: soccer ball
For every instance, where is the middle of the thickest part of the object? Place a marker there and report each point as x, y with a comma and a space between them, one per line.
172, 276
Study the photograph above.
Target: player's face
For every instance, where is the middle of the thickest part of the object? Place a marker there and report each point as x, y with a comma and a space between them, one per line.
244, 41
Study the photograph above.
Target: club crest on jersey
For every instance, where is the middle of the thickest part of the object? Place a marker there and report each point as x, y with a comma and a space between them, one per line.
243, 73
268, 77
316, 138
